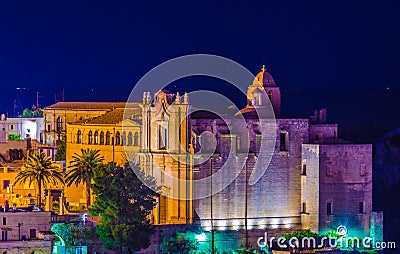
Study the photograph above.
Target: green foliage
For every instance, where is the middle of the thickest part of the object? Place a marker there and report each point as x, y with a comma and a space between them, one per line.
61, 150
124, 203
333, 234
82, 169
14, 137
74, 233
33, 112
40, 171
301, 234
180, 243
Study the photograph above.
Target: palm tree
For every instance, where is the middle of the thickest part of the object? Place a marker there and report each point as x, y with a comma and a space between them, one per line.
39, 170
82, 169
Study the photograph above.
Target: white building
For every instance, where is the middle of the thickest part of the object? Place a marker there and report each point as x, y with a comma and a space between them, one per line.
21, 127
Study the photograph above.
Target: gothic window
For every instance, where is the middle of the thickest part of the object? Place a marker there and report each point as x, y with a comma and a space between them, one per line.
304, 207
96, 137
90, 138
130, 139
59, 124
102, 138
48, 128
79, 137
108, 138
136, 139
117, 138
123, 138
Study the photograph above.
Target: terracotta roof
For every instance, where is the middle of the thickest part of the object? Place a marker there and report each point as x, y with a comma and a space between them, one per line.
92, 105
113, 117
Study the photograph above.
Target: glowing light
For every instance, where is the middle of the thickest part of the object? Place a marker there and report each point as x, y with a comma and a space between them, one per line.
207, 228
262, 226
287, 225
201, 237
275, 226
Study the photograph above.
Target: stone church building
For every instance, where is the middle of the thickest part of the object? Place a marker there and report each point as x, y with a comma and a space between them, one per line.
300, 175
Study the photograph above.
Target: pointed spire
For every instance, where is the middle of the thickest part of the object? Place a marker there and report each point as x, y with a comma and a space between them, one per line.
185, 99
178, 98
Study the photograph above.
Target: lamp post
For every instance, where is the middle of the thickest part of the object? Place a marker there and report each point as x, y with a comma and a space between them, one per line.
245, 204
211, 207
19, 230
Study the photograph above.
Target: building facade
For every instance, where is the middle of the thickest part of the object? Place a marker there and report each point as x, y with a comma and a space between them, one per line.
26, 232
309, 178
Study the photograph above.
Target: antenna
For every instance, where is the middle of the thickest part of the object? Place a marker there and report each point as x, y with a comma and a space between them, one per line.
37, 99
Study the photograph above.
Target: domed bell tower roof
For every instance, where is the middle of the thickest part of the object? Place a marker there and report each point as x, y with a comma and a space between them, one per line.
264, 78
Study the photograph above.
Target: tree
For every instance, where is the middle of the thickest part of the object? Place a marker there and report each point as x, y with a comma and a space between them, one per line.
39, 170
61, 150
82, 167
124, 203
181, 242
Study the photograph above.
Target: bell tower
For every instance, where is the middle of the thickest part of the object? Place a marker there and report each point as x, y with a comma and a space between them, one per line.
262, 89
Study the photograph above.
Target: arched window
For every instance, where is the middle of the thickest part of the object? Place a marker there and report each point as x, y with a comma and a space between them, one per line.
102, 138
59, 124
129, 138
136, 139
90, 138
79, 137
108, 138
96, 137
117, 138
123, 138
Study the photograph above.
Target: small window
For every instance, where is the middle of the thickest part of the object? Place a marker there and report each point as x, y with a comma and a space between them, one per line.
108, 138
48, 128
102, 138
304, 169
59, 124
130, 140
361, 207
328, 208
136, 139
48, 152
90, 137
32, 233
6, 183
12, 127
79, 137
283, 141
117, 138
304, 207
4, 221
123, 138
96, 137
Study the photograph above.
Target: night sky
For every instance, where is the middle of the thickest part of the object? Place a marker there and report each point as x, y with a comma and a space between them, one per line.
340, 54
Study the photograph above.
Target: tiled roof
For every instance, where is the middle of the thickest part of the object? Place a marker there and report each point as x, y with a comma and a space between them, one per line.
92, 105
113, 117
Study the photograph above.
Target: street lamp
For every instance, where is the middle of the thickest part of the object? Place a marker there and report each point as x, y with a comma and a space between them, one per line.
19, 230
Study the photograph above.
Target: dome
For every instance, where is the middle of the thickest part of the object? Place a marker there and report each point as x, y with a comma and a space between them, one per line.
264, 78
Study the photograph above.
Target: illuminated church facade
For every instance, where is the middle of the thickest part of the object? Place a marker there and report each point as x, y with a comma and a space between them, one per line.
312, 178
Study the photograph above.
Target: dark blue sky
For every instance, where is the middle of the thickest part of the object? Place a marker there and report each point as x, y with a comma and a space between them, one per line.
97, 50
